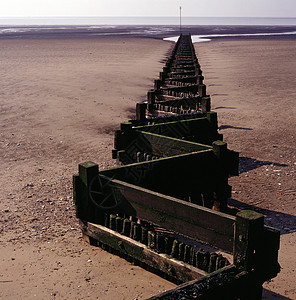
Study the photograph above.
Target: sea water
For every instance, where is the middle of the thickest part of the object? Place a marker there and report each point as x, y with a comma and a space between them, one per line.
145, 21
201, 28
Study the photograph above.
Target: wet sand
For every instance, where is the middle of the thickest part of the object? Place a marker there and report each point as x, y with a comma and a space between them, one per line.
61, 101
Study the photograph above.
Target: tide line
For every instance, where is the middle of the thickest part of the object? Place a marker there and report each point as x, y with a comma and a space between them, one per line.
208, 38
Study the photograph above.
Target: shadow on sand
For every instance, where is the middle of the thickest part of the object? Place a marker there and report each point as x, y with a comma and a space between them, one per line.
284, 222
269, 295
233, 127
247, 164
223, 107
215, 95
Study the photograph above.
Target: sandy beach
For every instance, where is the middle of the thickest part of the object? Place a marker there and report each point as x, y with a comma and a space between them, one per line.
60, 103
61, 100
252, 85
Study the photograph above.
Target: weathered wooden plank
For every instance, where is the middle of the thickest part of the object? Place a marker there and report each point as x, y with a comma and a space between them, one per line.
193, 88
171, 146
170, 118
200, 129
163, 144
221, 284
176, 176
186, 103
176, 270
196, 222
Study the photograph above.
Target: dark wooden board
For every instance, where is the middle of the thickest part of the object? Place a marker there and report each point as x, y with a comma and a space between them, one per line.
197, 222
175, 270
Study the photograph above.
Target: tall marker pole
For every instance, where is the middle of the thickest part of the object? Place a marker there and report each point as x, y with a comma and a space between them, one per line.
180, 20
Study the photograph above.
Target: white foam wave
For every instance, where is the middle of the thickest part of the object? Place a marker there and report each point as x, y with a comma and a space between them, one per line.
207, 38
28, 29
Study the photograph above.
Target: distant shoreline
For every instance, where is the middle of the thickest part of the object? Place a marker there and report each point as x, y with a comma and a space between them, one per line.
135, 21
250, 35
144, 31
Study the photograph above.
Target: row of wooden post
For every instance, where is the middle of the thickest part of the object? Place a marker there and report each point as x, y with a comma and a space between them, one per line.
255, 247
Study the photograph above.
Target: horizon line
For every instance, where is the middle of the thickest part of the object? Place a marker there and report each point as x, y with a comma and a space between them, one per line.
240, 17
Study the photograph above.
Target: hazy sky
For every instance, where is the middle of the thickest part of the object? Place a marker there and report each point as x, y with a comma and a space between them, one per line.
205, 8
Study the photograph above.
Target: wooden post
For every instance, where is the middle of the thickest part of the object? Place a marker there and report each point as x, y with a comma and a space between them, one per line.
124, 137
249, 228
157, 84
220, 149
175, 249
221, 187
213, 261
144, 238
141, 112
151, 239
86, 209
199, 79
165, 70
267, 257
151, 100
162, 76
126, 127
169, 62
159, 240
205, 104
117, 140
198, 71
202, 90
112, 223
114, 153
212, 118
126, 230
76, 195
181, 251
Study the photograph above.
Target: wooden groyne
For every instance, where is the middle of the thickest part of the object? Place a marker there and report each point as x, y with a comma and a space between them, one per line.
165, 207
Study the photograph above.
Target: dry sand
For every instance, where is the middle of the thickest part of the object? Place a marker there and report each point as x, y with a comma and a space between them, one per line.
60, 102
252, 84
